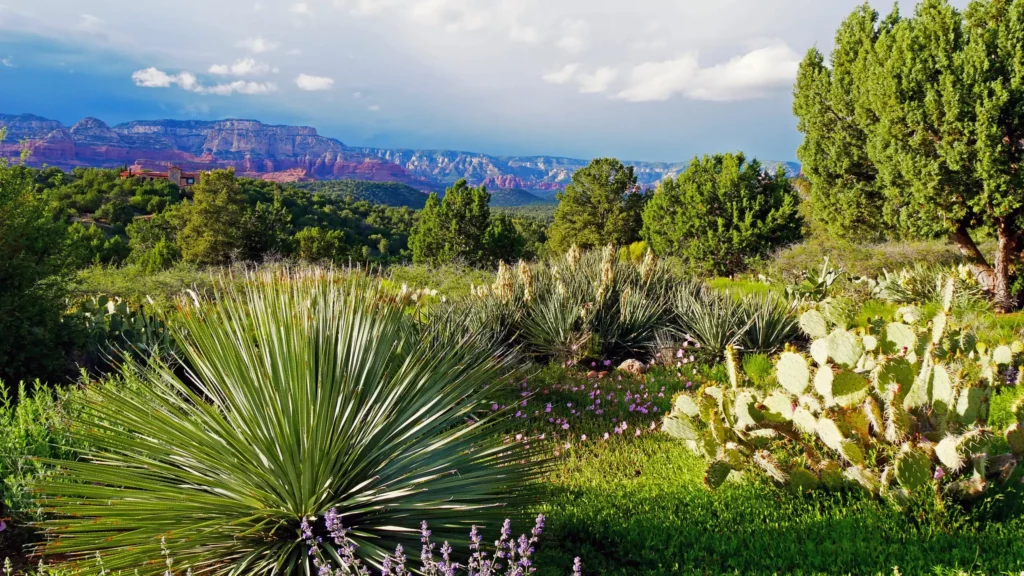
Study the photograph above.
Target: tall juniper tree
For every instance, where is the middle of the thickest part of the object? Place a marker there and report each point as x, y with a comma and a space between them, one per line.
915, 128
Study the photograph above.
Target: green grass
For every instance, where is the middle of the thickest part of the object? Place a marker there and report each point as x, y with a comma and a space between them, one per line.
638, 505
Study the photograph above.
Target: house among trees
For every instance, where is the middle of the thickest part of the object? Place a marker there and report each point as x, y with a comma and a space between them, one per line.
174, 174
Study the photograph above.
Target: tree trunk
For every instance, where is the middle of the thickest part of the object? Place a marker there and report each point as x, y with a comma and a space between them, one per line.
984, 273
1004, 252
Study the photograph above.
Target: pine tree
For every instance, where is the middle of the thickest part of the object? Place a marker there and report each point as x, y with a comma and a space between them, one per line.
601, 206
213, 229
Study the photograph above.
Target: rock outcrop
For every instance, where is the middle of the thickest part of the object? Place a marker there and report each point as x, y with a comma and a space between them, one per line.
286, 154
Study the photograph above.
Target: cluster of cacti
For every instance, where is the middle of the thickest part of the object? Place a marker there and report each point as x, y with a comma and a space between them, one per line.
893, 407
112, 328
573, 307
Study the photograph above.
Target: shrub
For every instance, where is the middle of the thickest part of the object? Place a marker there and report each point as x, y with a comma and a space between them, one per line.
579, 306
308, 391
721, 213
34, 275
34, 428
716, 320
896, 409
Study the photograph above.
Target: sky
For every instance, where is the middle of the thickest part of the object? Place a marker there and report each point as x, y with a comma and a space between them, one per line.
656, 80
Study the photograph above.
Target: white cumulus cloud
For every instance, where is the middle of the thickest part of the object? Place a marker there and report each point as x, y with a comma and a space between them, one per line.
302, 9
239, 86
153, 77
243, 67
258, 45
753, 75
307, 82
562, 75
599, 81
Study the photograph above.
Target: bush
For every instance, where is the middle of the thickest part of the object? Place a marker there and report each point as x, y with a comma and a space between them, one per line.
309, 391
591, 306
35, 269
34, 428
721, 213
716, 320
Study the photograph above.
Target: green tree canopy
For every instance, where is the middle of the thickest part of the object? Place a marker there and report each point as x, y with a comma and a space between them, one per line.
213, 231
34, 272
459, 227
601, 206
915, 128
722, 212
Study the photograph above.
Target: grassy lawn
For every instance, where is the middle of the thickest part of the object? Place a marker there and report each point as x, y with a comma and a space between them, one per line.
636, 503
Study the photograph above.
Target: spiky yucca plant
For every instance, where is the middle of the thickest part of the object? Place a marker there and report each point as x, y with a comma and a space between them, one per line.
308, 392
575, 306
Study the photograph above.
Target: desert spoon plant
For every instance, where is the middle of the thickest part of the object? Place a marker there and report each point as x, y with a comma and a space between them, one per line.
310, 391
894, 408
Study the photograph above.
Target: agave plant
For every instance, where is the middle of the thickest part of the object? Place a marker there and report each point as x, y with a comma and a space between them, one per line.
771, 322
307, 392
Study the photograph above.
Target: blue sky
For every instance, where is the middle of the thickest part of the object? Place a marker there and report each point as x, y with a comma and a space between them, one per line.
640, 80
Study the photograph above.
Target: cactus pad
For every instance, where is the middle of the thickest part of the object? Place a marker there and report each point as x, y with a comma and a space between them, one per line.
823, 383
779, 405
805, 421
717, 473
680, 427
830, 434
1015, 438
819, 351
913, 468
802, 481
901, 337
849, 388
793, 373
864, 477
1002, 355
684, 404
813, 324
851, 452
938, 327
971, 405
845, 347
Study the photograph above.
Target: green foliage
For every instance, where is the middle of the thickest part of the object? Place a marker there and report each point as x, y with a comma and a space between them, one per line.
320, 245
571, 308
721, 213
601, 206
31, 429
913, 128
212, 232
460, 228
715, 319
386, 193
34, 273
112, 331
912, 397
309, 391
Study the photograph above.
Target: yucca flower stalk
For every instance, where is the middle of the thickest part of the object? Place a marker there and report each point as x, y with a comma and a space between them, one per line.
306, 392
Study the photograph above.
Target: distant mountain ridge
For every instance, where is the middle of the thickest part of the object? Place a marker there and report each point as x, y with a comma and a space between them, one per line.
292, 154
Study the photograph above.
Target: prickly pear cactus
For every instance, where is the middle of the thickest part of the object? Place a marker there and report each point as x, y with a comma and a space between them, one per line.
893, 408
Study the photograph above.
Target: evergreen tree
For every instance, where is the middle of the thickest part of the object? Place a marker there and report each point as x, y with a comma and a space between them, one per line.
213, 231
35, 270
601, 206
916, 128
454, 228
722, 212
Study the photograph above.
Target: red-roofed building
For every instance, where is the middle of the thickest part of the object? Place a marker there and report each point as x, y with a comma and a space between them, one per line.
174, 174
